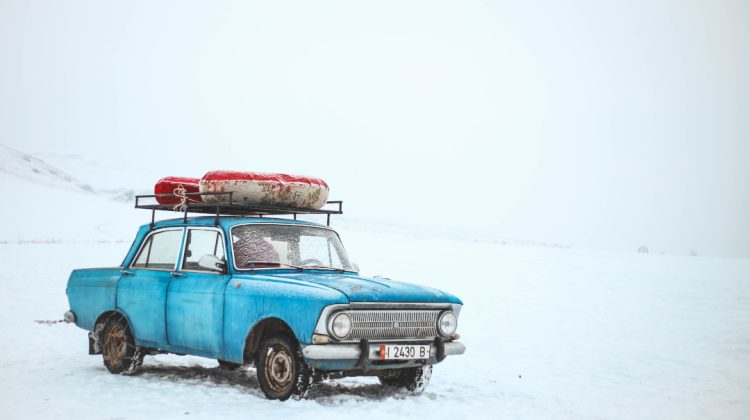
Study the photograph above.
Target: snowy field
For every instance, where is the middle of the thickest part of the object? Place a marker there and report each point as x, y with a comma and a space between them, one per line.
550, 332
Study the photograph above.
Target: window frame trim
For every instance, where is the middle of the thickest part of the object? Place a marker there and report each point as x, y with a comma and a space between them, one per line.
147, 238
181, 261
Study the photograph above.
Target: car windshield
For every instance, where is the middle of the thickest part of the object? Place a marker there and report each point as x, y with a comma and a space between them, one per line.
287, 246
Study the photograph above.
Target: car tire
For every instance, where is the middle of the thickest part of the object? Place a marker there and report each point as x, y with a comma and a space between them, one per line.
228, 365
281, 370
412, 379
120, 353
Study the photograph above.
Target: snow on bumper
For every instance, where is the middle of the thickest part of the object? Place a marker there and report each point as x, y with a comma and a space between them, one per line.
353, 352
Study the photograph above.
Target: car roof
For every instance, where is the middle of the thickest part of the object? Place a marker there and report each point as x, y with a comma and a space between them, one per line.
229, 221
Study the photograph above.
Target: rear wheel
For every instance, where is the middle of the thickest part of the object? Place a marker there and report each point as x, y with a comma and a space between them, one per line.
119, 351
412, 379
281, 370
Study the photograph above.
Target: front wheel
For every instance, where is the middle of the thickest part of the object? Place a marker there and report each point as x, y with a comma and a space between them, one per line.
119, 351
412, 379
282, 372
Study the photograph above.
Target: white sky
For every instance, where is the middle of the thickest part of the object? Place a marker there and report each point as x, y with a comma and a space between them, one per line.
595, 124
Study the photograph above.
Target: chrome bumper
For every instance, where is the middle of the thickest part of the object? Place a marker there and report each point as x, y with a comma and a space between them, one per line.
352, 351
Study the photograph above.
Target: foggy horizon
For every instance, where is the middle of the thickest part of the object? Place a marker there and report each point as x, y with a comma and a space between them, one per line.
596, 127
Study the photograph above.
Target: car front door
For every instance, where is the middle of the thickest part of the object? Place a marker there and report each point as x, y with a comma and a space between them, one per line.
195, 299
142, 290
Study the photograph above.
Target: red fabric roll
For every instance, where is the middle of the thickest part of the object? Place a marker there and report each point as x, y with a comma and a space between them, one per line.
170, 184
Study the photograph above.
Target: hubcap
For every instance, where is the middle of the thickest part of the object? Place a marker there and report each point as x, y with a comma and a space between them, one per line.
279, 369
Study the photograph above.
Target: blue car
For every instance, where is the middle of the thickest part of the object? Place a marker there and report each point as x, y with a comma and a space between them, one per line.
274, 293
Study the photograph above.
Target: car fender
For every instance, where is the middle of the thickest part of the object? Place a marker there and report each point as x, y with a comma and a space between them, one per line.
250, 299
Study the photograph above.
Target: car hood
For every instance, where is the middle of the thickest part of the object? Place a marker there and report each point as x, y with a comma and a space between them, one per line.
366, 289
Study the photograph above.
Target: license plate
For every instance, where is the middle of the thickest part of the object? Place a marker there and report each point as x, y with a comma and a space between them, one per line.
404, 351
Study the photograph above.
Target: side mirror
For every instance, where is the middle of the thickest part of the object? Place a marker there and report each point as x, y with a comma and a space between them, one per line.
355, 266
212, 262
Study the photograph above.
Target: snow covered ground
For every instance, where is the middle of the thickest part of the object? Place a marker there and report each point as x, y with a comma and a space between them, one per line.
551, 333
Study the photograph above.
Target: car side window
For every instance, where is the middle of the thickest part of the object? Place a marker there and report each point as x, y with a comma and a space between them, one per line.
202, 242
160, 251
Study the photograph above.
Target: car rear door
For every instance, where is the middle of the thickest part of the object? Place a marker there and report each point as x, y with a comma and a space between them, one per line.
195, 299
142, 290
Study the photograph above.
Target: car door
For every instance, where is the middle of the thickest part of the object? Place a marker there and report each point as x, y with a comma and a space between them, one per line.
142, 290
195, 299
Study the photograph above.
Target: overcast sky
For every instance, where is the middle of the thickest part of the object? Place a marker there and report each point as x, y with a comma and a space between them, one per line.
593, 124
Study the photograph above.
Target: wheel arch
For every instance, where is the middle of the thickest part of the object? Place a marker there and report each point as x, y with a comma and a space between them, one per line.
108, 314
101, 320
262, 329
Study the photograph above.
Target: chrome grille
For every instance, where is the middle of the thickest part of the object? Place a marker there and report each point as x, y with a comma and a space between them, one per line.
389, 324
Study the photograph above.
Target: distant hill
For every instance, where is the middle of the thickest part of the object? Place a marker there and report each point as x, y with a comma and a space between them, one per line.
40, 171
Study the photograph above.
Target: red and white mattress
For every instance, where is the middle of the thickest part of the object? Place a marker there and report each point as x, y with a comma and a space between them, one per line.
265, 189
252, 188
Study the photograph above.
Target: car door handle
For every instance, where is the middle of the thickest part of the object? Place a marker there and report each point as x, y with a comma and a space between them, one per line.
176, 274
127, 273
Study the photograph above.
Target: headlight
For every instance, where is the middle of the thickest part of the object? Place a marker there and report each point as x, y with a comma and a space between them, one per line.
341, 325
447, 323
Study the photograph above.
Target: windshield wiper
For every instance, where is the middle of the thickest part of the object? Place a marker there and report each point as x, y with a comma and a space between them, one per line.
252, 265
324, 267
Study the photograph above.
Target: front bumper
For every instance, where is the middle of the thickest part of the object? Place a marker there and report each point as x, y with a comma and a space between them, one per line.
350, 356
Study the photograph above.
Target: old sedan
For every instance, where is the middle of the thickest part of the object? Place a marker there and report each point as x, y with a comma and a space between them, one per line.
278, 294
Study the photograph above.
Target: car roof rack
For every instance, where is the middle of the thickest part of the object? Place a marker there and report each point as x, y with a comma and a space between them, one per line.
227, 207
